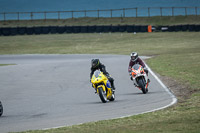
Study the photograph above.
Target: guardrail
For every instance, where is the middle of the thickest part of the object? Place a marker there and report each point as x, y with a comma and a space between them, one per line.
124, 12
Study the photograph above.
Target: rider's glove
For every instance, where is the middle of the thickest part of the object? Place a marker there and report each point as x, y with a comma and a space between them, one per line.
145, 69
130, 74
107, 75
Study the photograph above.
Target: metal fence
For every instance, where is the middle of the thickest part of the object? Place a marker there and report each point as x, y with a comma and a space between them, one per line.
109, 13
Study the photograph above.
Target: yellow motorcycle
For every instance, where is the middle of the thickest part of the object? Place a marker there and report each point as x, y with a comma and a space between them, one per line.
103, 87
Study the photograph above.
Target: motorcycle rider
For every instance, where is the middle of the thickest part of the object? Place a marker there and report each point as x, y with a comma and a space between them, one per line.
135, 59
96, 64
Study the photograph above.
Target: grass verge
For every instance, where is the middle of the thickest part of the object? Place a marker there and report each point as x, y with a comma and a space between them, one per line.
175, 55
165, 20
6, 64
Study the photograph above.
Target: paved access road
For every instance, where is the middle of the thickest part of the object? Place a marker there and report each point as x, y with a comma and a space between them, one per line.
45, 91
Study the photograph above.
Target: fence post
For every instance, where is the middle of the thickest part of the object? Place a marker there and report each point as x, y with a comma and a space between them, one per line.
148, 11
72, 14
124, 12
58, 15
185, 11
31, 14
196, 10
45, 16
18, 16
4, 16
136, 12
98, 14
172, 11
161, 11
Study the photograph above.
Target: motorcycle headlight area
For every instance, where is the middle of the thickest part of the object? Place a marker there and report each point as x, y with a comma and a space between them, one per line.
133, 74
97, 84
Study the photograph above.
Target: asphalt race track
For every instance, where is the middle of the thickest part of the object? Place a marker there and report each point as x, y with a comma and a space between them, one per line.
47, 91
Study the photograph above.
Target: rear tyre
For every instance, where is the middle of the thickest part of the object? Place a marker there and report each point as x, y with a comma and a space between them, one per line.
102, 95
1, 109
142, 85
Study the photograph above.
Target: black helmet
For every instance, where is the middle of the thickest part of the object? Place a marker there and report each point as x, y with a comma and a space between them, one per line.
95, 63
134, 56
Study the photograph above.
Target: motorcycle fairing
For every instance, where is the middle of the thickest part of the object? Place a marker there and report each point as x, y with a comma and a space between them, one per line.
108, 84
137, 73
100, 80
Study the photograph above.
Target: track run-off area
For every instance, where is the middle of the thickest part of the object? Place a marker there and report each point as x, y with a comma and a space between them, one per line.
49, 91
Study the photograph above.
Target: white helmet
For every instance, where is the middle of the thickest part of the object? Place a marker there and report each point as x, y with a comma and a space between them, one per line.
134, 56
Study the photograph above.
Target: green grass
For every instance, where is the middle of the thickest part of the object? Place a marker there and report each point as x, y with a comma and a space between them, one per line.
109, 43
6, 64
175, 55
165, 20
183, 67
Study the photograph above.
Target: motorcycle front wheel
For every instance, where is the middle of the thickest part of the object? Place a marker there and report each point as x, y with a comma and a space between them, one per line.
1, 109
141, 84
102, 95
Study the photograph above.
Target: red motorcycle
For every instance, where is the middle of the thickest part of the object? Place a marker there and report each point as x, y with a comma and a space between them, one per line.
140, 78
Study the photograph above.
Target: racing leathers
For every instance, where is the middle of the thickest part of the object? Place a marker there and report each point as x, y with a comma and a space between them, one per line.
102, 68
138, 61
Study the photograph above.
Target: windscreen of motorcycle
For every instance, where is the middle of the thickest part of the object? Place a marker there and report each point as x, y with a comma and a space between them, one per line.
136, 66
96, 73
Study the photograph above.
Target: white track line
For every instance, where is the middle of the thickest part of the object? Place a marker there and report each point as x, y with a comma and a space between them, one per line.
174, 100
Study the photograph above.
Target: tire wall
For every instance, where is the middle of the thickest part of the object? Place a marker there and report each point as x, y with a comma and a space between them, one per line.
11, 31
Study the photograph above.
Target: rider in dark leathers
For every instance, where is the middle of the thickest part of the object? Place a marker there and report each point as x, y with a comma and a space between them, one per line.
96, 64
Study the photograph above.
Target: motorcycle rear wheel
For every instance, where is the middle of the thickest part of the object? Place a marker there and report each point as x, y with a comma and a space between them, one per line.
112, 97
102, 95
142, 85
1, 109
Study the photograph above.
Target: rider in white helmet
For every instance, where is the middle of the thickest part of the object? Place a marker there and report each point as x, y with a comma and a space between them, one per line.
135, 59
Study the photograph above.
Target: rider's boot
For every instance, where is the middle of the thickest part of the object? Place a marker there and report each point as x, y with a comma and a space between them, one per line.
112, 83
113, 87
95, 90
135, 85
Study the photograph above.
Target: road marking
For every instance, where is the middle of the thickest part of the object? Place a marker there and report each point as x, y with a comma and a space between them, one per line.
174, 100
